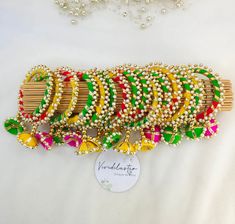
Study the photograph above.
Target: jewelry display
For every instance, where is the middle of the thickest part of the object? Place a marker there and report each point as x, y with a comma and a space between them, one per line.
162, 103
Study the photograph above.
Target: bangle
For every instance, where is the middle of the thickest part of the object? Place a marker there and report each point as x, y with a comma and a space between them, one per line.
68, 76
171, 133
150, 131
46, 139
207, 118
120, 116
59, 121
39, 115
113, 134
138, 124
102, 108
111, 103
82, 120
125, 145
173, 94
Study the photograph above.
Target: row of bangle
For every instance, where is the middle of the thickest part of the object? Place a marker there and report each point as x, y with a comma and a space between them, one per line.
160, 102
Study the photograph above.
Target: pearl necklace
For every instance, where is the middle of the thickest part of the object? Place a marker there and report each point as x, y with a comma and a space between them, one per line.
141, 12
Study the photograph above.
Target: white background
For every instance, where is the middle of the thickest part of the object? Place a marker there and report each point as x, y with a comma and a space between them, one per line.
191, 184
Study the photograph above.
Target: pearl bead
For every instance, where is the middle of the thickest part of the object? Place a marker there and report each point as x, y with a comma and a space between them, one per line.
143, 26
73, 21
148, 18
124, 14
163, 11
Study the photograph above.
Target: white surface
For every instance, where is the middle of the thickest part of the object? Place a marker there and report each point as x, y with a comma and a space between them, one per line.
193, 183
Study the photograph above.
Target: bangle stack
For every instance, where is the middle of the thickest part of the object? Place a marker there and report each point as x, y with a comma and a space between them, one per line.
160, 102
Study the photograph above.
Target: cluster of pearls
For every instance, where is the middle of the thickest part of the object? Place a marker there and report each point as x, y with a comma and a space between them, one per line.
141, 12
144, 12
